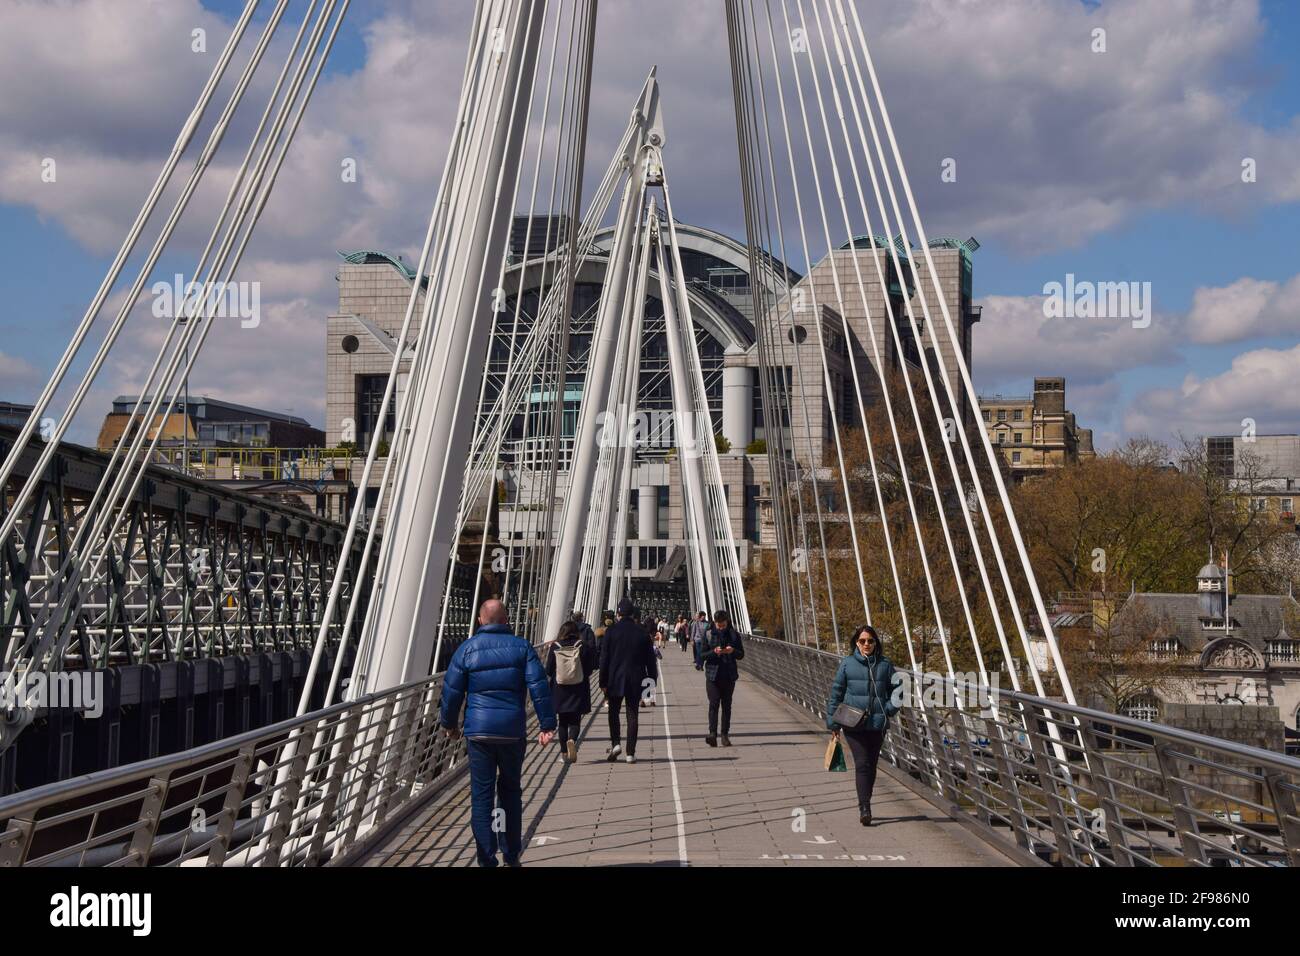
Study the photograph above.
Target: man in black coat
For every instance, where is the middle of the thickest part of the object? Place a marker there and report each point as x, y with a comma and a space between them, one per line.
720, 650
627, 667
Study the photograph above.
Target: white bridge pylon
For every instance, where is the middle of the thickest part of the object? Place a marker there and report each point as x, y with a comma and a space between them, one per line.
441, 463
594, 524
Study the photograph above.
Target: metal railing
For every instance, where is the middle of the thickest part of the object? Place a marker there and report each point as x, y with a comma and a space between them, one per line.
318, 790
1070, 785
304, 792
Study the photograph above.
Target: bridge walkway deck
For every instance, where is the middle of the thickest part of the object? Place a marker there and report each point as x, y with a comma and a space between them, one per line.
685, 803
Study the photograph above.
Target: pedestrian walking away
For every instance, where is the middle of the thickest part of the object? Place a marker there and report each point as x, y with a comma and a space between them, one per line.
627, 662
491, 676
698, 629
859, 708
653, 634
721, 649
573, 658
585, 632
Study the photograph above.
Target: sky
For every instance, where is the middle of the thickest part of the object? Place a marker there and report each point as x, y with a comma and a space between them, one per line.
1117, 166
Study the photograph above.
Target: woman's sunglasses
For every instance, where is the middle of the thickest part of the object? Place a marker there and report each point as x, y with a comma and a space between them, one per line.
866, 640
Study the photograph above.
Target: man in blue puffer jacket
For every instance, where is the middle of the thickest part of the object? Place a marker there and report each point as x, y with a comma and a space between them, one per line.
490, 675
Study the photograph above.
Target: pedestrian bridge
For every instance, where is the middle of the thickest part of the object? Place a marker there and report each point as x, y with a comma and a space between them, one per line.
374, 782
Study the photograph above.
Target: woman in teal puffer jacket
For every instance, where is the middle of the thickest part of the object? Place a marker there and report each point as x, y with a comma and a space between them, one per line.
865, 680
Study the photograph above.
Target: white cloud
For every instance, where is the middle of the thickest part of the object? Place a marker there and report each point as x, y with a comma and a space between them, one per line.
1259, 385
1247, 308
1014, 341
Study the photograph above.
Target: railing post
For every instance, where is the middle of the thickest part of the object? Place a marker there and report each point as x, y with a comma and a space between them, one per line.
975, 783
1011, 787
443, 749
17, 841
1176, 793
915, 750
347, 733
1047, 784
946, 773
1105, 787
399, 746
417, 734
1284, 806
287, 796
150, 815
378, 733
239, 776
426, 745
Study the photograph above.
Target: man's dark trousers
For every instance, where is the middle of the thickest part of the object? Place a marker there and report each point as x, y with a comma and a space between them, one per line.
496, 768
633, 711
720, 692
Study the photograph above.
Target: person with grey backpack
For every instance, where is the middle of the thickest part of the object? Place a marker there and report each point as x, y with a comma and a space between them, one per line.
568, 669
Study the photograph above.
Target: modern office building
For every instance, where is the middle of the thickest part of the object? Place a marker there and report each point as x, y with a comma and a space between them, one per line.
1264, 469
215, 423
254, 450
375, 287
1036, 433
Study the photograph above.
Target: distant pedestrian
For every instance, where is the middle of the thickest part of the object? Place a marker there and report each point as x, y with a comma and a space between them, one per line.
651, 626
572, 661
721, 649
491, 675
682, 632
860, 705
627, 662
584, 629
698, 629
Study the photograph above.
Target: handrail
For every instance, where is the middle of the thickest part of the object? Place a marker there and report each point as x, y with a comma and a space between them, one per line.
1071, 785
350, 767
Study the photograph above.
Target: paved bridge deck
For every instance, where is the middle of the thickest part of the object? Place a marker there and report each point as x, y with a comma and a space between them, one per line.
685, 803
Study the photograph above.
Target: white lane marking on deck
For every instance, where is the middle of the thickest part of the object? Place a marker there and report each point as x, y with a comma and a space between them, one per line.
672, 766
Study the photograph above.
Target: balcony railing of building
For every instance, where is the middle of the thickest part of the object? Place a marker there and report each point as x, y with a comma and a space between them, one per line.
261, 464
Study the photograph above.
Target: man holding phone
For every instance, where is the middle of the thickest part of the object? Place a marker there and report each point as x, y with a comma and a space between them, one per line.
720, 650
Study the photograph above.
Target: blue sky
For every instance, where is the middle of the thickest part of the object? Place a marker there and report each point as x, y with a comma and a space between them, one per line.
1181, 239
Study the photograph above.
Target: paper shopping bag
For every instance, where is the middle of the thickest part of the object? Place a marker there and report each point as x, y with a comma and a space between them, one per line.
835, 756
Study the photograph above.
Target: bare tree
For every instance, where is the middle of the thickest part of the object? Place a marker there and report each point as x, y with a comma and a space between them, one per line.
1123, 655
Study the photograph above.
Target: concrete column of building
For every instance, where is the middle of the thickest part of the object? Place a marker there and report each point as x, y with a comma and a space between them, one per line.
647, 512
737, 402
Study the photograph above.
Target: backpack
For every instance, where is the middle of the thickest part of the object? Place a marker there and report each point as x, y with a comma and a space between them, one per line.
568, 664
